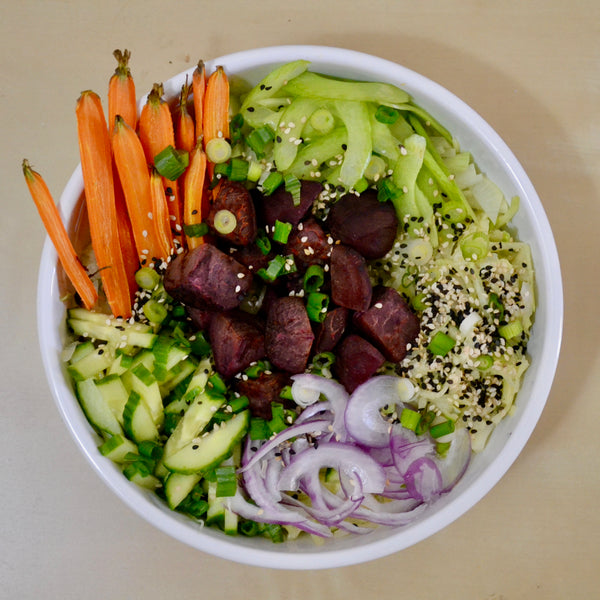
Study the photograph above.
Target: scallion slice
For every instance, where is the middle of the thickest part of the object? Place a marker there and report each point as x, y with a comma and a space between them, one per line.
154, 311
511, 330
225, 221
239, 169
226, 481
410, 418
147, 278
475, 246
292, 186
314, 278
272, 182
387, 190
263, 242
316, 306
440, 344
171, 163
218, 150
281, 231
387, 114
259, 138
195, 229
274, 268
238, 404
441, 429
322, 121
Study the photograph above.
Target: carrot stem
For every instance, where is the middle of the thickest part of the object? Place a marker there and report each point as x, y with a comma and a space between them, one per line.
96, 166
60, 238
121, 92
195, 195
135, 179
198, 91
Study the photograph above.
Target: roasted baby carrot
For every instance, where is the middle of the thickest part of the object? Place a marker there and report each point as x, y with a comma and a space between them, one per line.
198, 91
121, 92
156, 132
58, 234
185, 136
195, 196
215, 119
160, 212
97, 169
135, 179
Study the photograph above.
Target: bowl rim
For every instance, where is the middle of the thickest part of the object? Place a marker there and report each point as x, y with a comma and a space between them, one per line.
220, 545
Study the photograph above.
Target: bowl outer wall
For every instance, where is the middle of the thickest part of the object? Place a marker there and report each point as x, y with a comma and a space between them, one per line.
493, 157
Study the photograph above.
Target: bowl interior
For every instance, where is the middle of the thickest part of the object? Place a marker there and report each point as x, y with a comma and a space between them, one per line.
494, 158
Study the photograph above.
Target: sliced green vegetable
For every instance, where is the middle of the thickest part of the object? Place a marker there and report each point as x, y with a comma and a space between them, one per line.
171, 163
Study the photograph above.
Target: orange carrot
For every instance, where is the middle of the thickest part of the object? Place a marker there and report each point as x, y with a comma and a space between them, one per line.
160, 212
198, 91
156, 132
215, 119
135, 179
59, 236
96, 165
126, 239
185, 137
121, 92
195, 198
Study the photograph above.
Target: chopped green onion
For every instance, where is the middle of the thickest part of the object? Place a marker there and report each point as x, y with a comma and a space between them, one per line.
286, 392
216, 383
321, 362
235, 128
255, 170
277, 422
225, 221
410, 419
195, 229
259, 138
178, 311
442, 447
361, 185
453, 211
419, 302
511, 330
496, 305
475, 246
484, 362
272, 182
154, 311
259, 429
249, 528
199, 345
314, 278
171, 163
441, 344
387, 114
150, 449
255, 370
442, 429
143, 374
322, 121
425, 422
263, 242
281, 231
226, 481
218, 150
277, 266
316, 306
239, 169
274, 531
238, 404
375, 169
387, 190
223, 169
292, 186
147, 278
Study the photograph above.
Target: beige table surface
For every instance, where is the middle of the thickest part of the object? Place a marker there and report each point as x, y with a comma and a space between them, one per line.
531, 69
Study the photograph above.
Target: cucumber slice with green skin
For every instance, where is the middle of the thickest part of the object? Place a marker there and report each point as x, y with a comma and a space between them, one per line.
312, 85
119, 335
215, 515
177, 374
95, 407
178, 486
92, 364
117, 448
141, 380
203, 453
120, 364
144, 480
114, 393
81, 350
137, 419
230, 522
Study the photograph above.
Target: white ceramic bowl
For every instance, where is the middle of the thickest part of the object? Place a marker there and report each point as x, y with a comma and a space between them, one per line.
486, 469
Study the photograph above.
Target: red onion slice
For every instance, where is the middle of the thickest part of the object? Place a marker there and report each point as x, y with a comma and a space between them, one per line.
363, 418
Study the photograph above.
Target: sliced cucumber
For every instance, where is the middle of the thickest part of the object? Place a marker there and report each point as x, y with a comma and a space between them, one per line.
115, 394
137, 419
141, 380
92, 364
95, 407
82, 349
215, 515
117, 448
207, 451
178, 486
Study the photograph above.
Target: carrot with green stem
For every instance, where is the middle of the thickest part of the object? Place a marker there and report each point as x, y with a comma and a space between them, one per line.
195, 197
121, 91
198, 91
185, 129
156, 132
97, 169
60, 238
135, 179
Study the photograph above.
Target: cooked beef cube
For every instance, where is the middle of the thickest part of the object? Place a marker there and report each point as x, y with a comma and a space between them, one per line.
280, 205
200, 317
236, 342
288, 336
364, 223
205, 278
357, 360
308, 243
235, 198
262, 392
389, 323
350, 282
331, 330
251, 256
